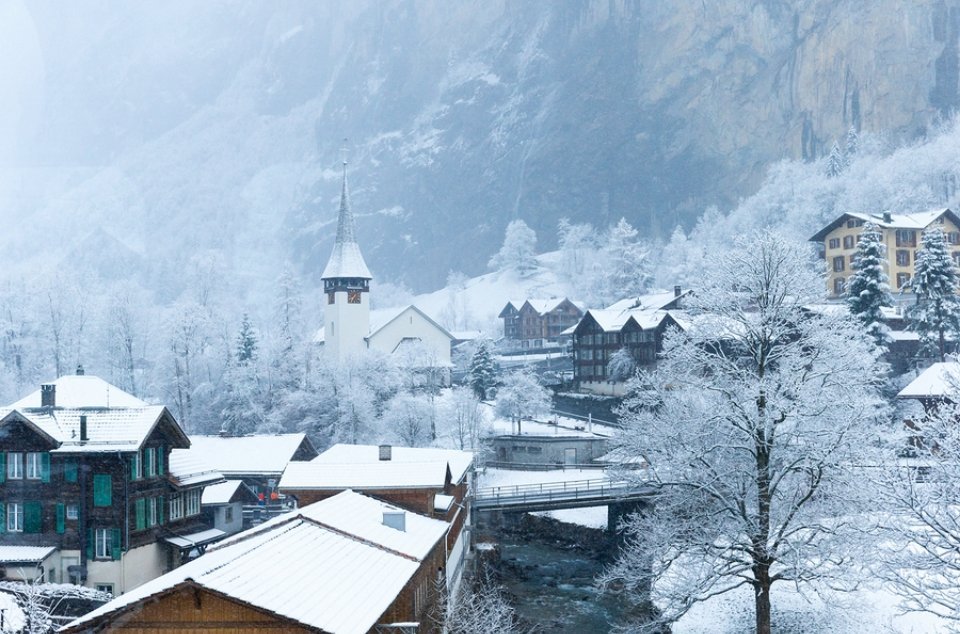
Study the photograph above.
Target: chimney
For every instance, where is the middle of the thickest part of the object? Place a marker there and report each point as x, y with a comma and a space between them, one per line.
79, 369
83, 428
887, 218
676, 291
48, 395
395, 518
386, 452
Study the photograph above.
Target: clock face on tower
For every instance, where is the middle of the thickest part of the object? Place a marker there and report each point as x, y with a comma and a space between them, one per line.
353, 297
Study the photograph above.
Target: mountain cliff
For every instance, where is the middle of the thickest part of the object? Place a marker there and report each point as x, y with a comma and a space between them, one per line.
180, 128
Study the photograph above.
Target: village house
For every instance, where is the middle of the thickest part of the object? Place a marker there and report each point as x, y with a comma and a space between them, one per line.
534, 323
434, 482
87, 488
347, 564
222, 505
636, 325
837, 244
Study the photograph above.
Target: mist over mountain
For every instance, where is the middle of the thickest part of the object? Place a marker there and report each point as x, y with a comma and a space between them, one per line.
148, 133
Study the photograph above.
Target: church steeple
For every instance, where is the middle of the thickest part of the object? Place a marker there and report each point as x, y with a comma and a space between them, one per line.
346, 261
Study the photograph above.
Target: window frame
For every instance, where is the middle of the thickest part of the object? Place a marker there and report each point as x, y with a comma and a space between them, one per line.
73, 512
34, 465
14, 519
192, 502
103, 543
15, 470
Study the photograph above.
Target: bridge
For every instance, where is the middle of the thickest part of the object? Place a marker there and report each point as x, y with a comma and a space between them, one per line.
561, 495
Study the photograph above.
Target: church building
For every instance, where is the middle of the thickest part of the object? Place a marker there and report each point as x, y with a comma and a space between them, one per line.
348, 329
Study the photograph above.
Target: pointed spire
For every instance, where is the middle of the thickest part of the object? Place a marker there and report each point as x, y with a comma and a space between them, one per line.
346, 261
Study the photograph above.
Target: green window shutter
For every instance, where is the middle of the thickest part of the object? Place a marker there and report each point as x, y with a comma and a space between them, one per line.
133, 466
32, 517
115, 544
61, 517
3, 514
3, 466
140, 512
45, 467
102, 490
160, 501
160, 460
70, 470
90, 550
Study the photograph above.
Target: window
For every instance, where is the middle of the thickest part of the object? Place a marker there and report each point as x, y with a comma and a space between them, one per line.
854, 223
176, 506
38, 466
834, 243
228, 514
906, 238
135, 472
193, 501
14, 517
151, 511
106, 543
953, 237
105, 587
149, 465
848, 242
903, 257
73, 512
903, 279
102, 490
14, 465
839, 286
838, 264
330, 297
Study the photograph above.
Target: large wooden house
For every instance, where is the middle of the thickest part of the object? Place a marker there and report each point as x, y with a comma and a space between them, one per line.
84, 476
349, 563
533, 323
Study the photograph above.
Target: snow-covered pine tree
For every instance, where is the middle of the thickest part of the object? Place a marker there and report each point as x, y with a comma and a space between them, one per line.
835, 162
937, 310
246, 341
869, 288
853, 145
482, 374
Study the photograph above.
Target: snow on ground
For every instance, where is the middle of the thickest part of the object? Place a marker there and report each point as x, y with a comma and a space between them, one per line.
13, 617
872, 609
591, 517
565, 427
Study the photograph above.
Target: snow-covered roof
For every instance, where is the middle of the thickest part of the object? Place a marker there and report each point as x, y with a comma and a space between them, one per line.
222, 492
940, 380
345, 261
651, 301
195, 539
920, 220
188, 468
25, 554
81, 390
337, 476
302, 569
114, 429
614, 320
381, 317
266, 454
362, 516
343, 453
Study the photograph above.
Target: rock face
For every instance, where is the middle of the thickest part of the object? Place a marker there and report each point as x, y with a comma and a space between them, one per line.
185, 127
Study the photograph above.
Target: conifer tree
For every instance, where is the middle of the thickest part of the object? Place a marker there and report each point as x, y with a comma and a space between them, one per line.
937, 310
853, 144
482, 373
869, 288
835, 162
246, 341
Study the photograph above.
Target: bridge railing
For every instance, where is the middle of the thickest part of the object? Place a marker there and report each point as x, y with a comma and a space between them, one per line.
570, 490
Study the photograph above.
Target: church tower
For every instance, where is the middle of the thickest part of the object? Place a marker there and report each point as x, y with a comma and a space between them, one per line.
346, 282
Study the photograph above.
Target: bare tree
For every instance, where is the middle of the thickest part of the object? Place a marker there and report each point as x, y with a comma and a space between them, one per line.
752, 425
478, 608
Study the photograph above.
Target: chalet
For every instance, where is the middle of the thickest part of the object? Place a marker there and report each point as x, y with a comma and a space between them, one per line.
532, 323
84, 473
434, 482
937, 385
349, 563
901, 234
636, 325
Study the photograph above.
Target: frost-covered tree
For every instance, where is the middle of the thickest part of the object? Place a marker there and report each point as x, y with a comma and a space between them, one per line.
936, 312
482, 374
835, 161
461, 418
628, 268
518, 252
869, 290
408, 417
852, 145
621, 366
246, 341
521, 395
751, 425
478, 608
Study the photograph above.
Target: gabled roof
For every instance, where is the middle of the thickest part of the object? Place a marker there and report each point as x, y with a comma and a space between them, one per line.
82, 390
345, 261
227, 492
336, 476
918, 221
940, 380
651, 301
113, 429
540, 306
25, 554
382, 319
187, 468
257, 454
341, 453
616, 320
334, 578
